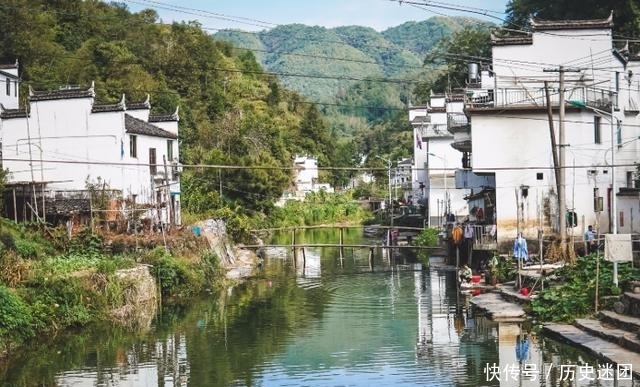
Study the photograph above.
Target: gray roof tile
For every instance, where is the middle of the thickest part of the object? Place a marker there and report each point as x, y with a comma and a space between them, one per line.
137, 126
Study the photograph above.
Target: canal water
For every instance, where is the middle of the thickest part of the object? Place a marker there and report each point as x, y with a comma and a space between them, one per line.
329, 322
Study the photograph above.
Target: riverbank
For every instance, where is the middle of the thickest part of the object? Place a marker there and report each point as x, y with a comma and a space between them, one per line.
50, 282
563, 309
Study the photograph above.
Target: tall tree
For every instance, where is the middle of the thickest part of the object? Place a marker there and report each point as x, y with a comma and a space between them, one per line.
626, 14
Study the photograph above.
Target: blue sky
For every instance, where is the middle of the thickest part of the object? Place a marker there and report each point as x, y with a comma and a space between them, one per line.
255, 15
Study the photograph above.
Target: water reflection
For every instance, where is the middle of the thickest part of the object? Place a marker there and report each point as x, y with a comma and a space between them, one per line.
331, 322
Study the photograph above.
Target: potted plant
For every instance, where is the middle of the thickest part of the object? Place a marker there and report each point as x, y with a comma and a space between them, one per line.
492, 272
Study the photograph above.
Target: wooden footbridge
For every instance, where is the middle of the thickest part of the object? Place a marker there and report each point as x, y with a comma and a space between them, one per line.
389, 244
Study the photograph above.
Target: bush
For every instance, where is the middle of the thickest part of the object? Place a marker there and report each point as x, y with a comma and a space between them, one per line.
14, 315
27, 248
427, 238
575, 296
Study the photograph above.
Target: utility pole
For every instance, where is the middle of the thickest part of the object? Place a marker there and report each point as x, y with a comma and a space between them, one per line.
562, 203
561, 161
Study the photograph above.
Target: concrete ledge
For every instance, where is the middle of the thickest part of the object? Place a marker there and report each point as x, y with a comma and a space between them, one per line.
594, 345
621, 337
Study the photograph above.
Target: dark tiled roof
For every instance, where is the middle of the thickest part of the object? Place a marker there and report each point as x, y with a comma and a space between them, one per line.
541, 25
61, 206
116, 107
511, 40
144, 105
163, 118
421, 120
12, 113
107, 108
136, 126
166, 117
9, 66
439, 109
60, 94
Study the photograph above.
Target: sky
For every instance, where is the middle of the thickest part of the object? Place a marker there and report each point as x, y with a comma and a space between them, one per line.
256, 15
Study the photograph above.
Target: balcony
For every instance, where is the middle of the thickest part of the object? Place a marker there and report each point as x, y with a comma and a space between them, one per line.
434, 130
458, 122
535, 97
461, 141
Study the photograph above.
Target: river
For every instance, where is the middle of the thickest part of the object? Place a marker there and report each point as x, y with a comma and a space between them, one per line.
335, 322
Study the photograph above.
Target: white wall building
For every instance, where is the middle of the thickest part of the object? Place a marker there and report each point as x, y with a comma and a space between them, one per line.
510, 134
435, 159
305, 180
63, 141
9, 85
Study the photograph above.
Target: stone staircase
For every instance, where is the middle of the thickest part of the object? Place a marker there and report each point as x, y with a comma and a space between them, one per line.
613, 336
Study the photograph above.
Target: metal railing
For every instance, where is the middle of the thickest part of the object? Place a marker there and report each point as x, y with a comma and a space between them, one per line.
536, 97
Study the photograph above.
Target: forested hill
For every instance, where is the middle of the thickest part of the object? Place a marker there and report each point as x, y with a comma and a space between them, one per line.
325, 64
231, 112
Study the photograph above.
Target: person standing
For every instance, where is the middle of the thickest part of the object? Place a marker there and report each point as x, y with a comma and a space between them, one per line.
590, 239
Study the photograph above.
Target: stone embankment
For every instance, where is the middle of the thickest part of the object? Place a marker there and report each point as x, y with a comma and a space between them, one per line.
613, 336
238, 262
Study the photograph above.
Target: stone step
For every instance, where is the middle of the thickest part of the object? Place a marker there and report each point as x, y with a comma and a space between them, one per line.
510, 294
496, 308
624, 338
631, 302
596, 346
622, 321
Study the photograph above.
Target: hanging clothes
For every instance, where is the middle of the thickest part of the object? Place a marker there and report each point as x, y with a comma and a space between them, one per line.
520, 248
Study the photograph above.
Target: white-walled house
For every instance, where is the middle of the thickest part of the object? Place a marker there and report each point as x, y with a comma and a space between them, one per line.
510, 131
436, 157
9, 85
64, 141
305, 180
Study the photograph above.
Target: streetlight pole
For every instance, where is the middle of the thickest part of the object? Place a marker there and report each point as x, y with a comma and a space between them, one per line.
614, 206
444, 175
390, 200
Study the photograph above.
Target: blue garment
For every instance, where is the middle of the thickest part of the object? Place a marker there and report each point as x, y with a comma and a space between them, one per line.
520, 249
522, 349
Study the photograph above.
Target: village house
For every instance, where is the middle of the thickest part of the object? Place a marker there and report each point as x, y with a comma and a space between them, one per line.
509, 137
437, 160
305, 180
9, 85
63, 149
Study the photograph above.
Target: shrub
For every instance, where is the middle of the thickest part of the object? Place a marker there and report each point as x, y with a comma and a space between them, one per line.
427, 238
26, 248
14, 315
575, 296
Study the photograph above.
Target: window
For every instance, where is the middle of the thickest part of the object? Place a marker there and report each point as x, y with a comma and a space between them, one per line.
619, 132
133, 146
617, 81
153, 168
539, 176
8, 85
15, 88
596, 129
169, 150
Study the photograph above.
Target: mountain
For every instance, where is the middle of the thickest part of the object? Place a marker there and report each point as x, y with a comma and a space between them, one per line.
349, 71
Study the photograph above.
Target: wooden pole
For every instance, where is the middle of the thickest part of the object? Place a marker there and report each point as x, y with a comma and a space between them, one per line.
341, 242
15, 207
293, 247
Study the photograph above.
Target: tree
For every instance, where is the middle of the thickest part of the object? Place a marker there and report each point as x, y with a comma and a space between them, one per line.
453, 54
626, 14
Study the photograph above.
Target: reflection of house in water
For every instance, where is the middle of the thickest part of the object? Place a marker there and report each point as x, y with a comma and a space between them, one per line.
164, 364
439, 326
308, 264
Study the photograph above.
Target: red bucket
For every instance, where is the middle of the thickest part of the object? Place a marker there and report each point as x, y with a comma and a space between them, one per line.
525, 291
475, 278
